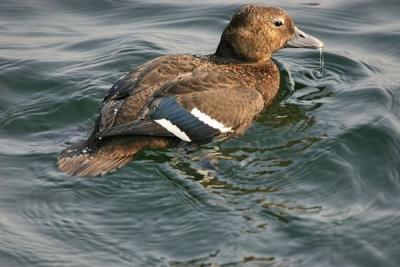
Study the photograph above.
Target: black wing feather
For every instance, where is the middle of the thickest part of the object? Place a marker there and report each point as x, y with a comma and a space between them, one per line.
139, 127
121, 89
168, 108
165, 108
113, 100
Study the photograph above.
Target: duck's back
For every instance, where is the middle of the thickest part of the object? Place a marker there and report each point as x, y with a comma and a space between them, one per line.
173, 97
127, 97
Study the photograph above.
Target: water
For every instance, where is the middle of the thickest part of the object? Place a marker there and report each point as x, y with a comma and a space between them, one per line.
315, 181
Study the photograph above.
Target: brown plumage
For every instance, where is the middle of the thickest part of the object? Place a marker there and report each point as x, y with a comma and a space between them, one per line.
192, 98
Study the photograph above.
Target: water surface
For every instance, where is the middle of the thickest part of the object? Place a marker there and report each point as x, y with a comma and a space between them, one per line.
314, 182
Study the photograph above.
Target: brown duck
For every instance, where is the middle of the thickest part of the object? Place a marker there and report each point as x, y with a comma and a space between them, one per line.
190, 98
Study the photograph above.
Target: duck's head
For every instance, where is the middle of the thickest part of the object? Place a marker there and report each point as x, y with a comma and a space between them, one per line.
255, 32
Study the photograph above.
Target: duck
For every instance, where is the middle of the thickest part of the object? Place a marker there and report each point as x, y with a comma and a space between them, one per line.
187, 98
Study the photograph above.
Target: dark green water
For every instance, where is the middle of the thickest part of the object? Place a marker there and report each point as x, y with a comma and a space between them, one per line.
315, 181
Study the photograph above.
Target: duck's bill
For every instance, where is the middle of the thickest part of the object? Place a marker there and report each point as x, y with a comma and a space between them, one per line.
301, 39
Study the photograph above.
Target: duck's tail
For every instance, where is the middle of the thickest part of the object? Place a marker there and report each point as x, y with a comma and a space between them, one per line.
98, 157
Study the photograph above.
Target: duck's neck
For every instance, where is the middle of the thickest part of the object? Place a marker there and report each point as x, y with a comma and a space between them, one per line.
226, 51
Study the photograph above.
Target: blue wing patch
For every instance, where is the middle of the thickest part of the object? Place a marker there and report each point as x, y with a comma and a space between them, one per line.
168, 108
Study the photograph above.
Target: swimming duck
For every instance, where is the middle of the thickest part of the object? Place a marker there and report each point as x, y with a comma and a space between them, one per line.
190, 98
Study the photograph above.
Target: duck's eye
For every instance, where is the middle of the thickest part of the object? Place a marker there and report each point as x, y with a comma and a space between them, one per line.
278, 23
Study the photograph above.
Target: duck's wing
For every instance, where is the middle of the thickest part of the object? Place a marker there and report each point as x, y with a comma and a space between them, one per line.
113, 100
195, 110
136, 86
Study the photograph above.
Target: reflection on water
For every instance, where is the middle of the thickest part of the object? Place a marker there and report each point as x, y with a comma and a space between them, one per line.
314, 182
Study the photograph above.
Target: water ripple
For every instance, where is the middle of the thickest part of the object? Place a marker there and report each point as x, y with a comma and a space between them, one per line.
315, 181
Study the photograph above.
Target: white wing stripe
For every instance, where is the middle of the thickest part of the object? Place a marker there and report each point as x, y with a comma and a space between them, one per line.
172, 128
210, 121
